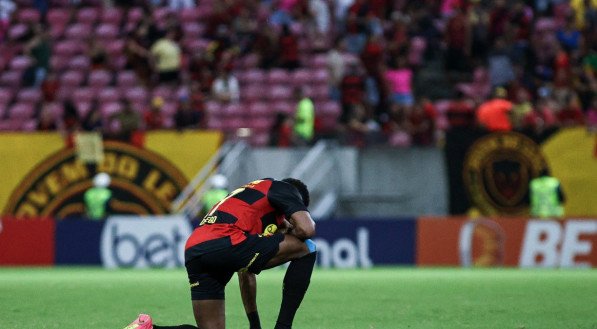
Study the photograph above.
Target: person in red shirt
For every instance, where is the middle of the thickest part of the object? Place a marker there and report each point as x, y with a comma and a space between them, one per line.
494, 114
289, 52
154, 119
260, 225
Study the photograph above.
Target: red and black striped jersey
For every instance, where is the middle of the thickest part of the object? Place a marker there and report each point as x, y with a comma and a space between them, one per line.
258, 207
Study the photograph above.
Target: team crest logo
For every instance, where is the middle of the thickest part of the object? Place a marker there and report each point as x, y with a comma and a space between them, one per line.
143, 183
497, 172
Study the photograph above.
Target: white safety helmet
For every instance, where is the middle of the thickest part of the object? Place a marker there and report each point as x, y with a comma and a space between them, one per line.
219, 181
101, 180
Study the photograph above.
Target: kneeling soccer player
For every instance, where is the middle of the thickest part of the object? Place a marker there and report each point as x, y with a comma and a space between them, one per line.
258, 226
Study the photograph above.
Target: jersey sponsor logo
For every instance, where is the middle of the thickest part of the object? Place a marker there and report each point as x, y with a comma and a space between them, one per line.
497, 171
270, 230
130, 241
142, 183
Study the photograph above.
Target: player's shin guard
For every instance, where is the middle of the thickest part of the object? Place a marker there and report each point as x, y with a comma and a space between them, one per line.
296, 282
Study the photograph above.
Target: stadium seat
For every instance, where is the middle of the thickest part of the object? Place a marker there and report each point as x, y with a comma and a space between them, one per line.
87, 15
16, 31
126, 79
278, 76
215, 123
318, 61
83, 94
111, 15
193, 30
28, 16
213, 109
260, 109
100, 78
109, 109
29, 95
234, 111
280, 93
114, 47
301, 77
67, 48
58, 16
167, 93
78, 32
251, 76
253, 92
260, 124
71, 79
29, 125
21, 111
6, 96
20, 63
11, 79
284, 107
169, 109
136, 94
108, 95
329, 108
188, 15
259, 138
79, 63
106, 32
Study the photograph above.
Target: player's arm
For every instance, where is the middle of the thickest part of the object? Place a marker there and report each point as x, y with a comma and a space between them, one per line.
248, 291
303, 226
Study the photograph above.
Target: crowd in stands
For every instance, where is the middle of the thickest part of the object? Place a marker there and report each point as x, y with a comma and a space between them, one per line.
287, 72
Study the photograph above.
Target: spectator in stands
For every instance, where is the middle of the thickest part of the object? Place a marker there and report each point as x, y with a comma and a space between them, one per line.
93, 121
7, 7
180, 4
494, 114
501, 70
321, 23
50, 87
336, 66
571, 113
422, 123
397, 128
125, 122
97, 54
304, 118
137, 54
47, 119
281, 131
186, 117
358, 129
591, 115
461, 112
457, 39
289, 52
70, 117
266, 48
166, 56
352, 87
154, 118
40, 50
225, 87
399, 79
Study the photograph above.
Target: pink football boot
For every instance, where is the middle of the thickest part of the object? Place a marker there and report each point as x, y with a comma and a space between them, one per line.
143, 321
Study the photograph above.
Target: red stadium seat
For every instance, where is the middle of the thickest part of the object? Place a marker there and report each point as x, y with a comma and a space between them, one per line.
79, 63
329, 108
234, 110
169, 108
167, 93
20, 63
114, 47
28, 15
135, 94
109, 109
260, 109
259, 138
284, 107
301, 77
278, 76
6, 96
58, 16
100, 78
108, 95
253, 93
107, 32
29, 95
17, 31
71, 79
87, 15
193, 30
84, 94
260, 124
126, 78
11, 79
77, 32
280, 93
213, 109
68, 48
21, 111
189, 15
111, 15
29, 125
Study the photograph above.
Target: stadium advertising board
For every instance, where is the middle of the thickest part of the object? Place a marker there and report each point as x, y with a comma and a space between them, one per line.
26, 242
78, 241
508, 242
137, 242
144, 179
346, 243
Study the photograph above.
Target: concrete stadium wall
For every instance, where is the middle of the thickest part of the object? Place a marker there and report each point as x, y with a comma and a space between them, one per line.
375, 182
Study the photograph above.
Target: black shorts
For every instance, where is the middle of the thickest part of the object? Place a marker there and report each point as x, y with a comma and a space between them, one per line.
210, 272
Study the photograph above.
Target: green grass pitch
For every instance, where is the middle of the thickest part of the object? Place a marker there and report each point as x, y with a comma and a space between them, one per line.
380, 298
